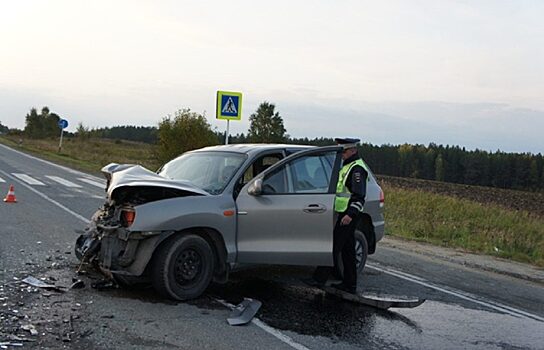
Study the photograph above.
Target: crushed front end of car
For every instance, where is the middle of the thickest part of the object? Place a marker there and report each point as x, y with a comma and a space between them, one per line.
108, 241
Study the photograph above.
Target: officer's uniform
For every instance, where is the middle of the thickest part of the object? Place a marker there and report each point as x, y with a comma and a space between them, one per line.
350, 200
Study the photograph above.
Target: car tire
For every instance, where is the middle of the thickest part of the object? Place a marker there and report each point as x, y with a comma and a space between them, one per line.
361, 254
183, 267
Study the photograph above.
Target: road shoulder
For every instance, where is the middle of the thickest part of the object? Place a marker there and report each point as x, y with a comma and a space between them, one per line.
457, 256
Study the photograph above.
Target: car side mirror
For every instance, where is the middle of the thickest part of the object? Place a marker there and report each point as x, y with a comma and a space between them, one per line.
256, 188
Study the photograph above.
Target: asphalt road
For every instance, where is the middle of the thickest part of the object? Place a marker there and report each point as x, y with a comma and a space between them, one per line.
465, 309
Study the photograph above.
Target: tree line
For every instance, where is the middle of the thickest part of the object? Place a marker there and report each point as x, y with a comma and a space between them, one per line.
147, 134
520, 171
456, 164
187, 130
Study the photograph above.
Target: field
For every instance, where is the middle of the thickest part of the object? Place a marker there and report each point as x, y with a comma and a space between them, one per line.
504, 223
531, 202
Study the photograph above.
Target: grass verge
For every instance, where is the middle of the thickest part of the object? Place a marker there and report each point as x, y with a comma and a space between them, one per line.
88, 155
460, 223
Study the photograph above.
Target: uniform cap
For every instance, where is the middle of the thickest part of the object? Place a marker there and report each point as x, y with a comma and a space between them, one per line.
347, 143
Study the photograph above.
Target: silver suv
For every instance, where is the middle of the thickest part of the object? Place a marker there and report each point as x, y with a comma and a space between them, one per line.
212, 210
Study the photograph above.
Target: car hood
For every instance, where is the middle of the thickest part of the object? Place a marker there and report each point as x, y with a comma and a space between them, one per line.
130, 175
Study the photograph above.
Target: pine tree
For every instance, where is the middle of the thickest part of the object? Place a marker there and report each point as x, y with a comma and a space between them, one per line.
266, 125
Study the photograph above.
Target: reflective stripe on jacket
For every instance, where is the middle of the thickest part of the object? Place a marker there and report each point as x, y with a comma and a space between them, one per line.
343, 194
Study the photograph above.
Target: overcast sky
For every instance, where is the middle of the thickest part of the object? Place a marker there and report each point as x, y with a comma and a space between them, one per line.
467, 73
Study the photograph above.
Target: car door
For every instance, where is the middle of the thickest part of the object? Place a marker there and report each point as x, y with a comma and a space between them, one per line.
288, 217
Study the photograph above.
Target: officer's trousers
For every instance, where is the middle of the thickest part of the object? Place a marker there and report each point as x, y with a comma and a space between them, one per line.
344, 243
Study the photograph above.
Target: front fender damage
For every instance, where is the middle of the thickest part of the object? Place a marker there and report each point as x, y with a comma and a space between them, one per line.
109, 244
114, 249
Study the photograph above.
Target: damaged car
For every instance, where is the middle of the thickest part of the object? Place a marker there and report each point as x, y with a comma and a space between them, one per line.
212, 210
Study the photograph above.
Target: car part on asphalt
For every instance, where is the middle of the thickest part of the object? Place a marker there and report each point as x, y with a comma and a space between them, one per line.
104, 285
5, 344
244, 312
34, 282
77, 284
383, 302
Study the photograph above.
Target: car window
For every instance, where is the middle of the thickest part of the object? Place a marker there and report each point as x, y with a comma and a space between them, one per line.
309, 174
210, 171
260, 165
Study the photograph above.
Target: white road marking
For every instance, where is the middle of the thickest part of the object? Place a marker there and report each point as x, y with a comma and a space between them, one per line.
62, 181
29, 180
279, 335
92, 182
457, 293
48, 199
2, 180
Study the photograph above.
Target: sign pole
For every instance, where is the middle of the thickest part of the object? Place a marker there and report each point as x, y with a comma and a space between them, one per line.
63, 123
227, 133
60, 142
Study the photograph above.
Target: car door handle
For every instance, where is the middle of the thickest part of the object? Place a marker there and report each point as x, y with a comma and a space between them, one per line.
315, 208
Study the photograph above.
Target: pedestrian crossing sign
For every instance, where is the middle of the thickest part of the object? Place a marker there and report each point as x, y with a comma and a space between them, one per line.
229, 105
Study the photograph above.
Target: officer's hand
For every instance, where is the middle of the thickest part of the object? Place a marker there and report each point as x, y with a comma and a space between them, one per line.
346, 220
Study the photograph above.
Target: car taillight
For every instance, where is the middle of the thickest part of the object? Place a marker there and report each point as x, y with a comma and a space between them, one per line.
127, 217
382, 198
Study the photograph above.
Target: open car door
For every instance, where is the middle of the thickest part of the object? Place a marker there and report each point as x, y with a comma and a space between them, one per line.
286, 214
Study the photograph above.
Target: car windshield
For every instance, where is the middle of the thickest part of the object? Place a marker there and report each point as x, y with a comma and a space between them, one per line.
210, 171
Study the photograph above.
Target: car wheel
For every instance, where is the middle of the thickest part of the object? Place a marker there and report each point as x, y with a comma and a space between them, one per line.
183, 267
361, 253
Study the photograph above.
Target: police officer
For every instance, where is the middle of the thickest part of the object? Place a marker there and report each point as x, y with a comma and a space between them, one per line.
348, 204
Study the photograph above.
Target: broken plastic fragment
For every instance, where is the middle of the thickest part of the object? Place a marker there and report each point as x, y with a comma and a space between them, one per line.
78, 284
381, 302
41, 284
104, 285
30, 328
244, 312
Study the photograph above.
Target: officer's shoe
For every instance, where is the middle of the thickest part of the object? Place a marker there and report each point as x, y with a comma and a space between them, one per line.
345, 288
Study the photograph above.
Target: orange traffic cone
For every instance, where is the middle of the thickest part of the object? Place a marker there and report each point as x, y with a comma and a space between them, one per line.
10, 197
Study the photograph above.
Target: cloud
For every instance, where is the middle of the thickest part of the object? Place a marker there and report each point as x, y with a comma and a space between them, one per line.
487, 126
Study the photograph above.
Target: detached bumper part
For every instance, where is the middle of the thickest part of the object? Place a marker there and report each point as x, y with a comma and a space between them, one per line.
244, 312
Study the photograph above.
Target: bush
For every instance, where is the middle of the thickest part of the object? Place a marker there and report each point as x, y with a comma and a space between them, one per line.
184, 132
